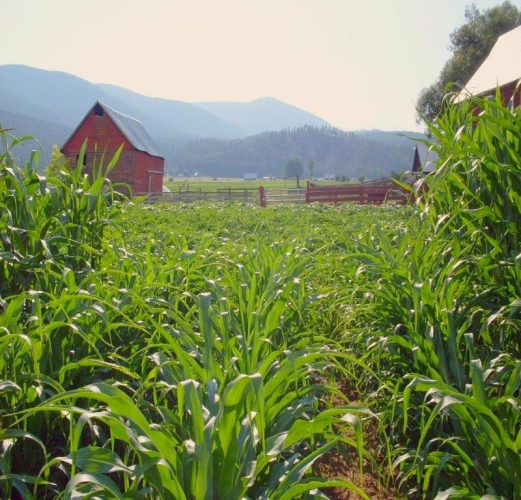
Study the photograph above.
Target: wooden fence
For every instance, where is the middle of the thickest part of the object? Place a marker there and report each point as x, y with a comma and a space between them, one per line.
361, 194
375, 194
278, 196
250, 195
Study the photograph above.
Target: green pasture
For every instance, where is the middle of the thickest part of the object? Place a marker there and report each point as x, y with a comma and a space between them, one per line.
210, 184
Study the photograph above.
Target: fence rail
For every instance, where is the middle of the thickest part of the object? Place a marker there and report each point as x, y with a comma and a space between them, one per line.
277, 196
362, 195
375, 194
246, 195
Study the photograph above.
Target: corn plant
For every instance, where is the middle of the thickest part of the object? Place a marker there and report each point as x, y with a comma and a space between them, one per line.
48, 223
442, 298
181, 366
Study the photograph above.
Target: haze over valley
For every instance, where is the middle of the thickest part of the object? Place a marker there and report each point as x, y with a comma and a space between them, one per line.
211, 138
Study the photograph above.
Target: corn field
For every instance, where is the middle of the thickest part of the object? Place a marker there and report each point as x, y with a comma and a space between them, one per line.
224, 351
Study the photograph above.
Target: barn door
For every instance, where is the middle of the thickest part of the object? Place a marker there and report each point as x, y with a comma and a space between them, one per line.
154, 174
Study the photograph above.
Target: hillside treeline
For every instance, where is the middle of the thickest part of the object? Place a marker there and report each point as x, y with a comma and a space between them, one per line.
333, 151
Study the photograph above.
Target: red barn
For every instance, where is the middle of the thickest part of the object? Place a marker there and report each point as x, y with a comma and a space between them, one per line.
140, 166
502, 68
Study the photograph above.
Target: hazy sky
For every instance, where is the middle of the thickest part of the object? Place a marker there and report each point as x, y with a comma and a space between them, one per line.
356, 63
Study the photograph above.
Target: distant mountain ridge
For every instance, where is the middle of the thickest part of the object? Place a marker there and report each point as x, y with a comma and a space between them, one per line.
170, 118
191, 136
333, 151
63, 99
261, 115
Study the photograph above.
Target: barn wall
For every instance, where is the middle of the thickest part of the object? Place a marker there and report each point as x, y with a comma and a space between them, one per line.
507, 91
100, 131
144, 165
104, 137
123, 173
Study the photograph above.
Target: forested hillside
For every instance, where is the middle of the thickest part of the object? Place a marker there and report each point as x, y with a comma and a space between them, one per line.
333, 151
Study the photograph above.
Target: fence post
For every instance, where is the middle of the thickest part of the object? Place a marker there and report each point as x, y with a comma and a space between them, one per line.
262, 196
307, 193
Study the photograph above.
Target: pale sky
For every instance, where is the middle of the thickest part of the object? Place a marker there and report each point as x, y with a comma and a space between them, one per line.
359, 64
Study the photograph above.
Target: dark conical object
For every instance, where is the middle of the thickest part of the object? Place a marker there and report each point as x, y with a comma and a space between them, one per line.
416, 163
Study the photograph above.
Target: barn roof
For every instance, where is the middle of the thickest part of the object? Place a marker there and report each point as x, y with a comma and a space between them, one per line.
131, 128
501, 67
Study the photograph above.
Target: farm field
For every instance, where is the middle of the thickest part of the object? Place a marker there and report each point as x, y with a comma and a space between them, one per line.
230, 351
209, 184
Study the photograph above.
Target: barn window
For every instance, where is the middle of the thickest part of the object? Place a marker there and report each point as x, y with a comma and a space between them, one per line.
84, 159
98, 110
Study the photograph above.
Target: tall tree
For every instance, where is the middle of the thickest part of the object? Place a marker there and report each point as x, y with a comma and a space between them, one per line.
311, 168
470, 45
294, 168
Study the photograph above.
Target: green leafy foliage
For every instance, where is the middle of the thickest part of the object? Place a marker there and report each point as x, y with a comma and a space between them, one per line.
142, 364
443, 305
199, 351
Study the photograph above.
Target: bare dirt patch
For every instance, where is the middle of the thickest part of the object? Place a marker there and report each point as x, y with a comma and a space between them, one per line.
344, 463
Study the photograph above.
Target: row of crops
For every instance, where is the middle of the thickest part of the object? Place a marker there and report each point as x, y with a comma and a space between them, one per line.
227, 351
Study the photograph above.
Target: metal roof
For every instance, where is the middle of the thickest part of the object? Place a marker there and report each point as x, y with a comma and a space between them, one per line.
132, 129
502, 66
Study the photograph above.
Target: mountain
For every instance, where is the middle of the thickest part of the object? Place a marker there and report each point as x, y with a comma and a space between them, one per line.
50, 96
262, 115
403, 139
166, 117
392, 138
217, 138
345, 154
62, 98
45, 134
